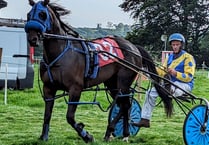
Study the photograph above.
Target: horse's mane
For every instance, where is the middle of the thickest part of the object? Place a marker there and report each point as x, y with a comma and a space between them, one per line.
61, 11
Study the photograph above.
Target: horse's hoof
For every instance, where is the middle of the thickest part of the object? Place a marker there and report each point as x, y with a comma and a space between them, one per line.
43, 138
125, 139
44, 135
88, 138
108, 139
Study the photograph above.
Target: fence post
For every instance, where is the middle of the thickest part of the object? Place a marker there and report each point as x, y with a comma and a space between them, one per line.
5, 89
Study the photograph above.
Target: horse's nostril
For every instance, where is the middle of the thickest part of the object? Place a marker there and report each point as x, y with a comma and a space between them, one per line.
33, 41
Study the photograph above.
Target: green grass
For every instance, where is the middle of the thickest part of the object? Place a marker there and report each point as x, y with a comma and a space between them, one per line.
21, 119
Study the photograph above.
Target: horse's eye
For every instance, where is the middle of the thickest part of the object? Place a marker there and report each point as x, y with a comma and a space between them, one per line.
42, 15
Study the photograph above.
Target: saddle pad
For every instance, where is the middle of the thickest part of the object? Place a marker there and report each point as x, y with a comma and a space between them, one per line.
109, 45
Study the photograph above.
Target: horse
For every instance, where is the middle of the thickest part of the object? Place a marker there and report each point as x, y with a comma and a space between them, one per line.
65, 67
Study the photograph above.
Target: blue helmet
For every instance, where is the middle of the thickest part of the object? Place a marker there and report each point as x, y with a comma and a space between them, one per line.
177, 37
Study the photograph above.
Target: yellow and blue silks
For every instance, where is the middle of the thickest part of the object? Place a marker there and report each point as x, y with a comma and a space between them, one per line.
184, 64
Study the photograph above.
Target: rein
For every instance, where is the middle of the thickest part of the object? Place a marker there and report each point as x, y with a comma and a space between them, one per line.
123, 62
62, 37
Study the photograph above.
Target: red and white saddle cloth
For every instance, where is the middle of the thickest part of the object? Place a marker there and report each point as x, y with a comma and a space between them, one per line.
109, 45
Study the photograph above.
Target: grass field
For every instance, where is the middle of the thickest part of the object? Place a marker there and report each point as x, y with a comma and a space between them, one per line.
21, 119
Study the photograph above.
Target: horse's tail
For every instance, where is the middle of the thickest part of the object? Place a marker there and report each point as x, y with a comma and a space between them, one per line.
148, 62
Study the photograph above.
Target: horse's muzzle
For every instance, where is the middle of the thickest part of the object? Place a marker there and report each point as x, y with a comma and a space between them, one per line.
33, 42
33, 38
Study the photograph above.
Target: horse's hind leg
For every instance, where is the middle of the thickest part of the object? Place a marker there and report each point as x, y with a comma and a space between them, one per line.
124, 101
48, 94
111, 126
122, 83
111, 85
79, 127
124, 105
125, 109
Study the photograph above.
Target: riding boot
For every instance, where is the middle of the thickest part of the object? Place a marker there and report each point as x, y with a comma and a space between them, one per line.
142, 123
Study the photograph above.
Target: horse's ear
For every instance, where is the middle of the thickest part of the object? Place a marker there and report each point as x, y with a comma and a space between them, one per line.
46, 2
31, 2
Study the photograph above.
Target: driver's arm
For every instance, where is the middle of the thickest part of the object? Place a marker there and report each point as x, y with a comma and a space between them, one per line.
162, 71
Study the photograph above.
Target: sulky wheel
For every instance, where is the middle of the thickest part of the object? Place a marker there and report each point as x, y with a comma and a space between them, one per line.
134, 116
195, 132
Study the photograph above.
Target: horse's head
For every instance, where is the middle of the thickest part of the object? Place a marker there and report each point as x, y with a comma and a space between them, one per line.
44, 17
38, 21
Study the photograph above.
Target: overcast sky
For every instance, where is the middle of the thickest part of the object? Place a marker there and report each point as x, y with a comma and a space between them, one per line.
84, 13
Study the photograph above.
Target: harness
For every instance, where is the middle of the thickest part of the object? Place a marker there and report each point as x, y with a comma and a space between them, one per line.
91, 59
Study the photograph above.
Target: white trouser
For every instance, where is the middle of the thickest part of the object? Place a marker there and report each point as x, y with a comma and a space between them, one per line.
151, 96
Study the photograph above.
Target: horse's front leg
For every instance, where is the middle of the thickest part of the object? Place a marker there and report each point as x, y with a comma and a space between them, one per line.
74, 97
49, 103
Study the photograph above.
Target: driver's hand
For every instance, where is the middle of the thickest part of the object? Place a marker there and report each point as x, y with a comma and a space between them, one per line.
172, 72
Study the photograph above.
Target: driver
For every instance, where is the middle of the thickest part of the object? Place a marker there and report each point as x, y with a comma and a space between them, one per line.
180, 65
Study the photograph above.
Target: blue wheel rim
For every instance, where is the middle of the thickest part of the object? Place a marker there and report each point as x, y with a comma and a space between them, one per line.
135, 116
192, 127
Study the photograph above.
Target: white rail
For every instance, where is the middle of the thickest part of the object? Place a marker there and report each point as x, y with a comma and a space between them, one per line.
12, 22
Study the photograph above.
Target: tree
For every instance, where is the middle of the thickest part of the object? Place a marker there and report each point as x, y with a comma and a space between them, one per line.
155, 18
3, 4
110, 25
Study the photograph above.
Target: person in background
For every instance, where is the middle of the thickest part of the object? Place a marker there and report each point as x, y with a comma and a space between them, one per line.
180, 65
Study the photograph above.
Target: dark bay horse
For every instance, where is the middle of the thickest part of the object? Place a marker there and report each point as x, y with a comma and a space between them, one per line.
64, 67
